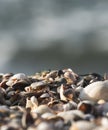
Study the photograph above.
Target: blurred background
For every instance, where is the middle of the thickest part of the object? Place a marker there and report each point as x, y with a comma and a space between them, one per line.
38, 35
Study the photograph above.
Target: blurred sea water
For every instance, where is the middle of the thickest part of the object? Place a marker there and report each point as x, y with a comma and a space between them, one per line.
53, 34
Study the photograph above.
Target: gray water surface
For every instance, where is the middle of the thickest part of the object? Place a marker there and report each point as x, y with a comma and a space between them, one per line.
53, 34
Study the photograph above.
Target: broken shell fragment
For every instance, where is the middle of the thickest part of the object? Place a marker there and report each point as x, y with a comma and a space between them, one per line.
62, 96
66, 94
32, 103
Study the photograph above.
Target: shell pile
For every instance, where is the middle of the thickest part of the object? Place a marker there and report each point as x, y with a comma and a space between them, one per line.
53, 99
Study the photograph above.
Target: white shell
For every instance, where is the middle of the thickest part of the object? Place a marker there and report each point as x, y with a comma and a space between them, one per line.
47, 115
34, 101
104, 122
82, 125
42, 109
45, 126
19, 76
14, 78
95, 91
4, 108
69, 116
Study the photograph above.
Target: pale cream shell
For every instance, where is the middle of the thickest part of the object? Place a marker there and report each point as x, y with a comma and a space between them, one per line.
95, 91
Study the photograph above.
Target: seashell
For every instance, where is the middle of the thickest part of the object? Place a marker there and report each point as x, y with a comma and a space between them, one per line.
104, 122
95, 91
102, 109
14, 99
52, 74
70, 76
38, 85
2, 94
82, 125
28, 89
82, 83
10, 93
52, 102
66, 94
101, 101
69, 94
27, 119
7, 75
59, 125
56, 107
14, 124
8, 102
78, 89
47, 115
45, 126
92, 77
15, 115
4, 108
57, 121
3, 84
28, 103
96, 76
50, 80
69, 106
44, 73
42, 109
19, 76
9, 89
45, 95
34, 101
10, 83
58, 89
18, 81
89, 117
106, 76
60, 80
85, 106
20, 85
8, 127
72, 115
2, 91
62, 96
33, 127
100, 128
4, 112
